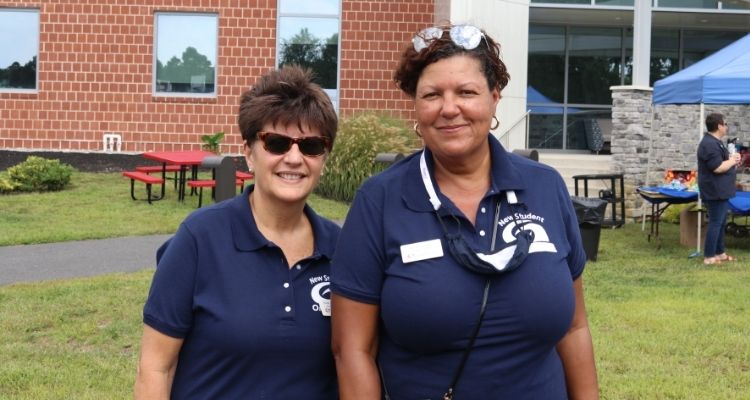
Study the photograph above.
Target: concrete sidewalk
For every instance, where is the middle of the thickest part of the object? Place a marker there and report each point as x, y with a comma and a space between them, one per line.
39, 262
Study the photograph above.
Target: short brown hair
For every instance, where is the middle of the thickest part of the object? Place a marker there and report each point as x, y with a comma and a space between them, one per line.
283, 97
414, 62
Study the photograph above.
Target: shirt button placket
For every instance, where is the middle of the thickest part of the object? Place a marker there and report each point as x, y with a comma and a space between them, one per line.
289, 298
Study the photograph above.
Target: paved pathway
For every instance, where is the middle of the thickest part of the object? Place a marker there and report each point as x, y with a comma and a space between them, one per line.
40, 262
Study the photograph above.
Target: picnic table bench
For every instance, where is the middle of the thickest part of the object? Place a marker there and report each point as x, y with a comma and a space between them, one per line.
148, 180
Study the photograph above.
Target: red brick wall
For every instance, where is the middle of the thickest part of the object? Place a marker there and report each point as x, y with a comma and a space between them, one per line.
373, 35
95, 71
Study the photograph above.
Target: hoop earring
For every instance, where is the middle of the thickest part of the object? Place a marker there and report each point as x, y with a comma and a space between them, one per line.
416, 129
497, 123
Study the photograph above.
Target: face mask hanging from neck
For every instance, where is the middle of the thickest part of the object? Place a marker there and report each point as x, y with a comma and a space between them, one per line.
499, 262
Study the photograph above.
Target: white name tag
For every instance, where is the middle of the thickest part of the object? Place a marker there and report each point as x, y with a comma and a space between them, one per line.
325, 308
421, 251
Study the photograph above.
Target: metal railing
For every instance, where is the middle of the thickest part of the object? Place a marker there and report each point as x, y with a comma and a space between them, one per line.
524, 118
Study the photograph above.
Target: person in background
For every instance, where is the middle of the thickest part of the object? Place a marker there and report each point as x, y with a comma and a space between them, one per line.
458, 269
716, 183
239, 305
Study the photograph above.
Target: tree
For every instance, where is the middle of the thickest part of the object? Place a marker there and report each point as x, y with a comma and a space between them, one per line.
180, 72
16, 76
306, 50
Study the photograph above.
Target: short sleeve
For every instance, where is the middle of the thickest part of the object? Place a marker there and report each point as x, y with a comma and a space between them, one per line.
357, 268
169, 308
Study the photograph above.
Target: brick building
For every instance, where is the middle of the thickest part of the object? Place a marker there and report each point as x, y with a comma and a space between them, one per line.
100, 67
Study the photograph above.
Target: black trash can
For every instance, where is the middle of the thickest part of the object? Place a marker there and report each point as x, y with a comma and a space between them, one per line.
590, 214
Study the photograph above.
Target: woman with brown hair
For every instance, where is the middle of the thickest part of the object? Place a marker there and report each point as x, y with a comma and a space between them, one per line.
458, 269
239, 305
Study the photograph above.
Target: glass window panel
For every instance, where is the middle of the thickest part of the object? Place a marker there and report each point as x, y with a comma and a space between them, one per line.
614, 2
701, 44
546, 128
595, 63
186, 53
562, 1
311, 43
665, 54
627, 68
689, 3
584, 125
314, 7
19, 47
546, 70
735, 4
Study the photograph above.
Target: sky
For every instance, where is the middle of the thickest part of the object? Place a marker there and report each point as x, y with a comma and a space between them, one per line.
322, 28
14, 46
179, 32
309, 7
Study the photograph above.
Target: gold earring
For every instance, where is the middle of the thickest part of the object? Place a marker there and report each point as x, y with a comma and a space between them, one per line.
497, 123
416, 129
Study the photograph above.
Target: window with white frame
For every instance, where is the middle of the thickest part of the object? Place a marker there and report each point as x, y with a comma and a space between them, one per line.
308, 35
19, 49
185, 54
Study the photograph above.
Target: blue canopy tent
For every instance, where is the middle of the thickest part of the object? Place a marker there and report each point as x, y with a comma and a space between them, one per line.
721, 78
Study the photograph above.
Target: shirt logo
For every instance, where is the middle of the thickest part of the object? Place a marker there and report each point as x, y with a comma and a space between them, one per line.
321, 294
528, 222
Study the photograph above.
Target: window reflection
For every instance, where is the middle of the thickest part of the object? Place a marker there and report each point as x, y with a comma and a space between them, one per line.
689, 3
562, 1
735, 4
665, 54
186, 53
19, 46
614, 2
701, 44
309, 7
595, 64
308, 35
589, 129
547, 61
546, 128
311, 43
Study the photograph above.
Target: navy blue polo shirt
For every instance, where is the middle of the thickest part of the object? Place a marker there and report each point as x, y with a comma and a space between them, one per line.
713, 186
429, 307
253, 328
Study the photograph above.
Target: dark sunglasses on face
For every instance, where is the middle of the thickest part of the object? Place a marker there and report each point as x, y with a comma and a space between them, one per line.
276, 143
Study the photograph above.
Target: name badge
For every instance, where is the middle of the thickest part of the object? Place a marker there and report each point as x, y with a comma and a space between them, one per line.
421, 251
325, 308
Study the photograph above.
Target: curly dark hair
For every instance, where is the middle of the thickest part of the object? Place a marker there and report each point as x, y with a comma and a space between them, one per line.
414, 62
283, 97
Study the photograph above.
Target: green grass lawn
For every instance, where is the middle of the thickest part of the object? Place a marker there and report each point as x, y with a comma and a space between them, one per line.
98, 205
664, 325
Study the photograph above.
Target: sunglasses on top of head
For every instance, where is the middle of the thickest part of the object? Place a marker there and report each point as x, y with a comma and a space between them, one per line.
465, 36
276, 143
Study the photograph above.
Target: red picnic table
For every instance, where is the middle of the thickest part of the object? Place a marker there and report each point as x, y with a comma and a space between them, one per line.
184, 159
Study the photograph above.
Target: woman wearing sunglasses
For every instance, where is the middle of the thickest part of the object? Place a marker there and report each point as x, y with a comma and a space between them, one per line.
239, 307
458, 269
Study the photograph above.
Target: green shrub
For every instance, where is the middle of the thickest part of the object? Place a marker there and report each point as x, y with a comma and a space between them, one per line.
672, 214
36, 174
359, 139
